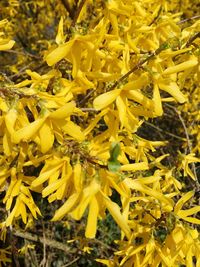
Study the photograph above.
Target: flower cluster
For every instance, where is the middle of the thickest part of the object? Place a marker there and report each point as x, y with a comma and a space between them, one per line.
71, 132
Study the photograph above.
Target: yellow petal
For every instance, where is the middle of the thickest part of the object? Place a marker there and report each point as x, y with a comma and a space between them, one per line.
106, 99
91, 227
114, 22
46, 136
182, 201
7, 145
135, 167
73, 130
63, 112
66, 207
166, 260
60, 38
22, 209
53, 186
140, 98
25, 133
77, 176
108, 263
135, 185
9, 191
121, 106
6, 46
13, 212
34, 75
114, 210
45, 175
31, 205
188, 212
94, 122
10, 119
59, 53
87, 195
157, 101
173, 89
192, 220
16, 188
139, 83
182, 66
76, 58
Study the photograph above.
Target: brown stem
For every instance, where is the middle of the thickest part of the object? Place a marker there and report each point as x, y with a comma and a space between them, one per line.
158, 15
49, 242
139, 65
4, 91
189, 143
70, 263
188, 19
77, 13
194, 37
164, 131
67, 7
89, 110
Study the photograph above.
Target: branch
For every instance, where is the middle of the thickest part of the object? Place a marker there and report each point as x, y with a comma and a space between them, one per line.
88, 109
49, 242
158, 15
5, 91
188, 19
164, 131
70, 263
77, 13
23, 53
155, 53
67, 7
194, 37
189, 143
140, 64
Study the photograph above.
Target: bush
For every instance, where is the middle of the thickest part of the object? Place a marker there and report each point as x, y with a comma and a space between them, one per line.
100, 134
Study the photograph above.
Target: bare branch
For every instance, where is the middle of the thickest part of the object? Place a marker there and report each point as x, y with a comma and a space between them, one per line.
139, 65
71, 262
158, 15
89, 110
77, 12
49, 242
191, 40
188, 19
67, 7
164, 131
189, 143
5, 91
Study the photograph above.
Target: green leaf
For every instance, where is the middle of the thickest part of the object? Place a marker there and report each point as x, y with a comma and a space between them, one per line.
114, 166
114, 151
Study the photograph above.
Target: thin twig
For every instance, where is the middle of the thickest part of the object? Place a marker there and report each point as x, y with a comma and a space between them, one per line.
10, 91
77, 13
189, 143
164, 131
21, 71
71, 262
88, 109
67, 7
158, 15
49, 242
188, 19
104, 245
139, 65
13, 247
191, 40
44, 260
86, 97
23, 53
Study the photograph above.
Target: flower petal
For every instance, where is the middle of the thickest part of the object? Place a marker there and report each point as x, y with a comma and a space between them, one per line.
106, 99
